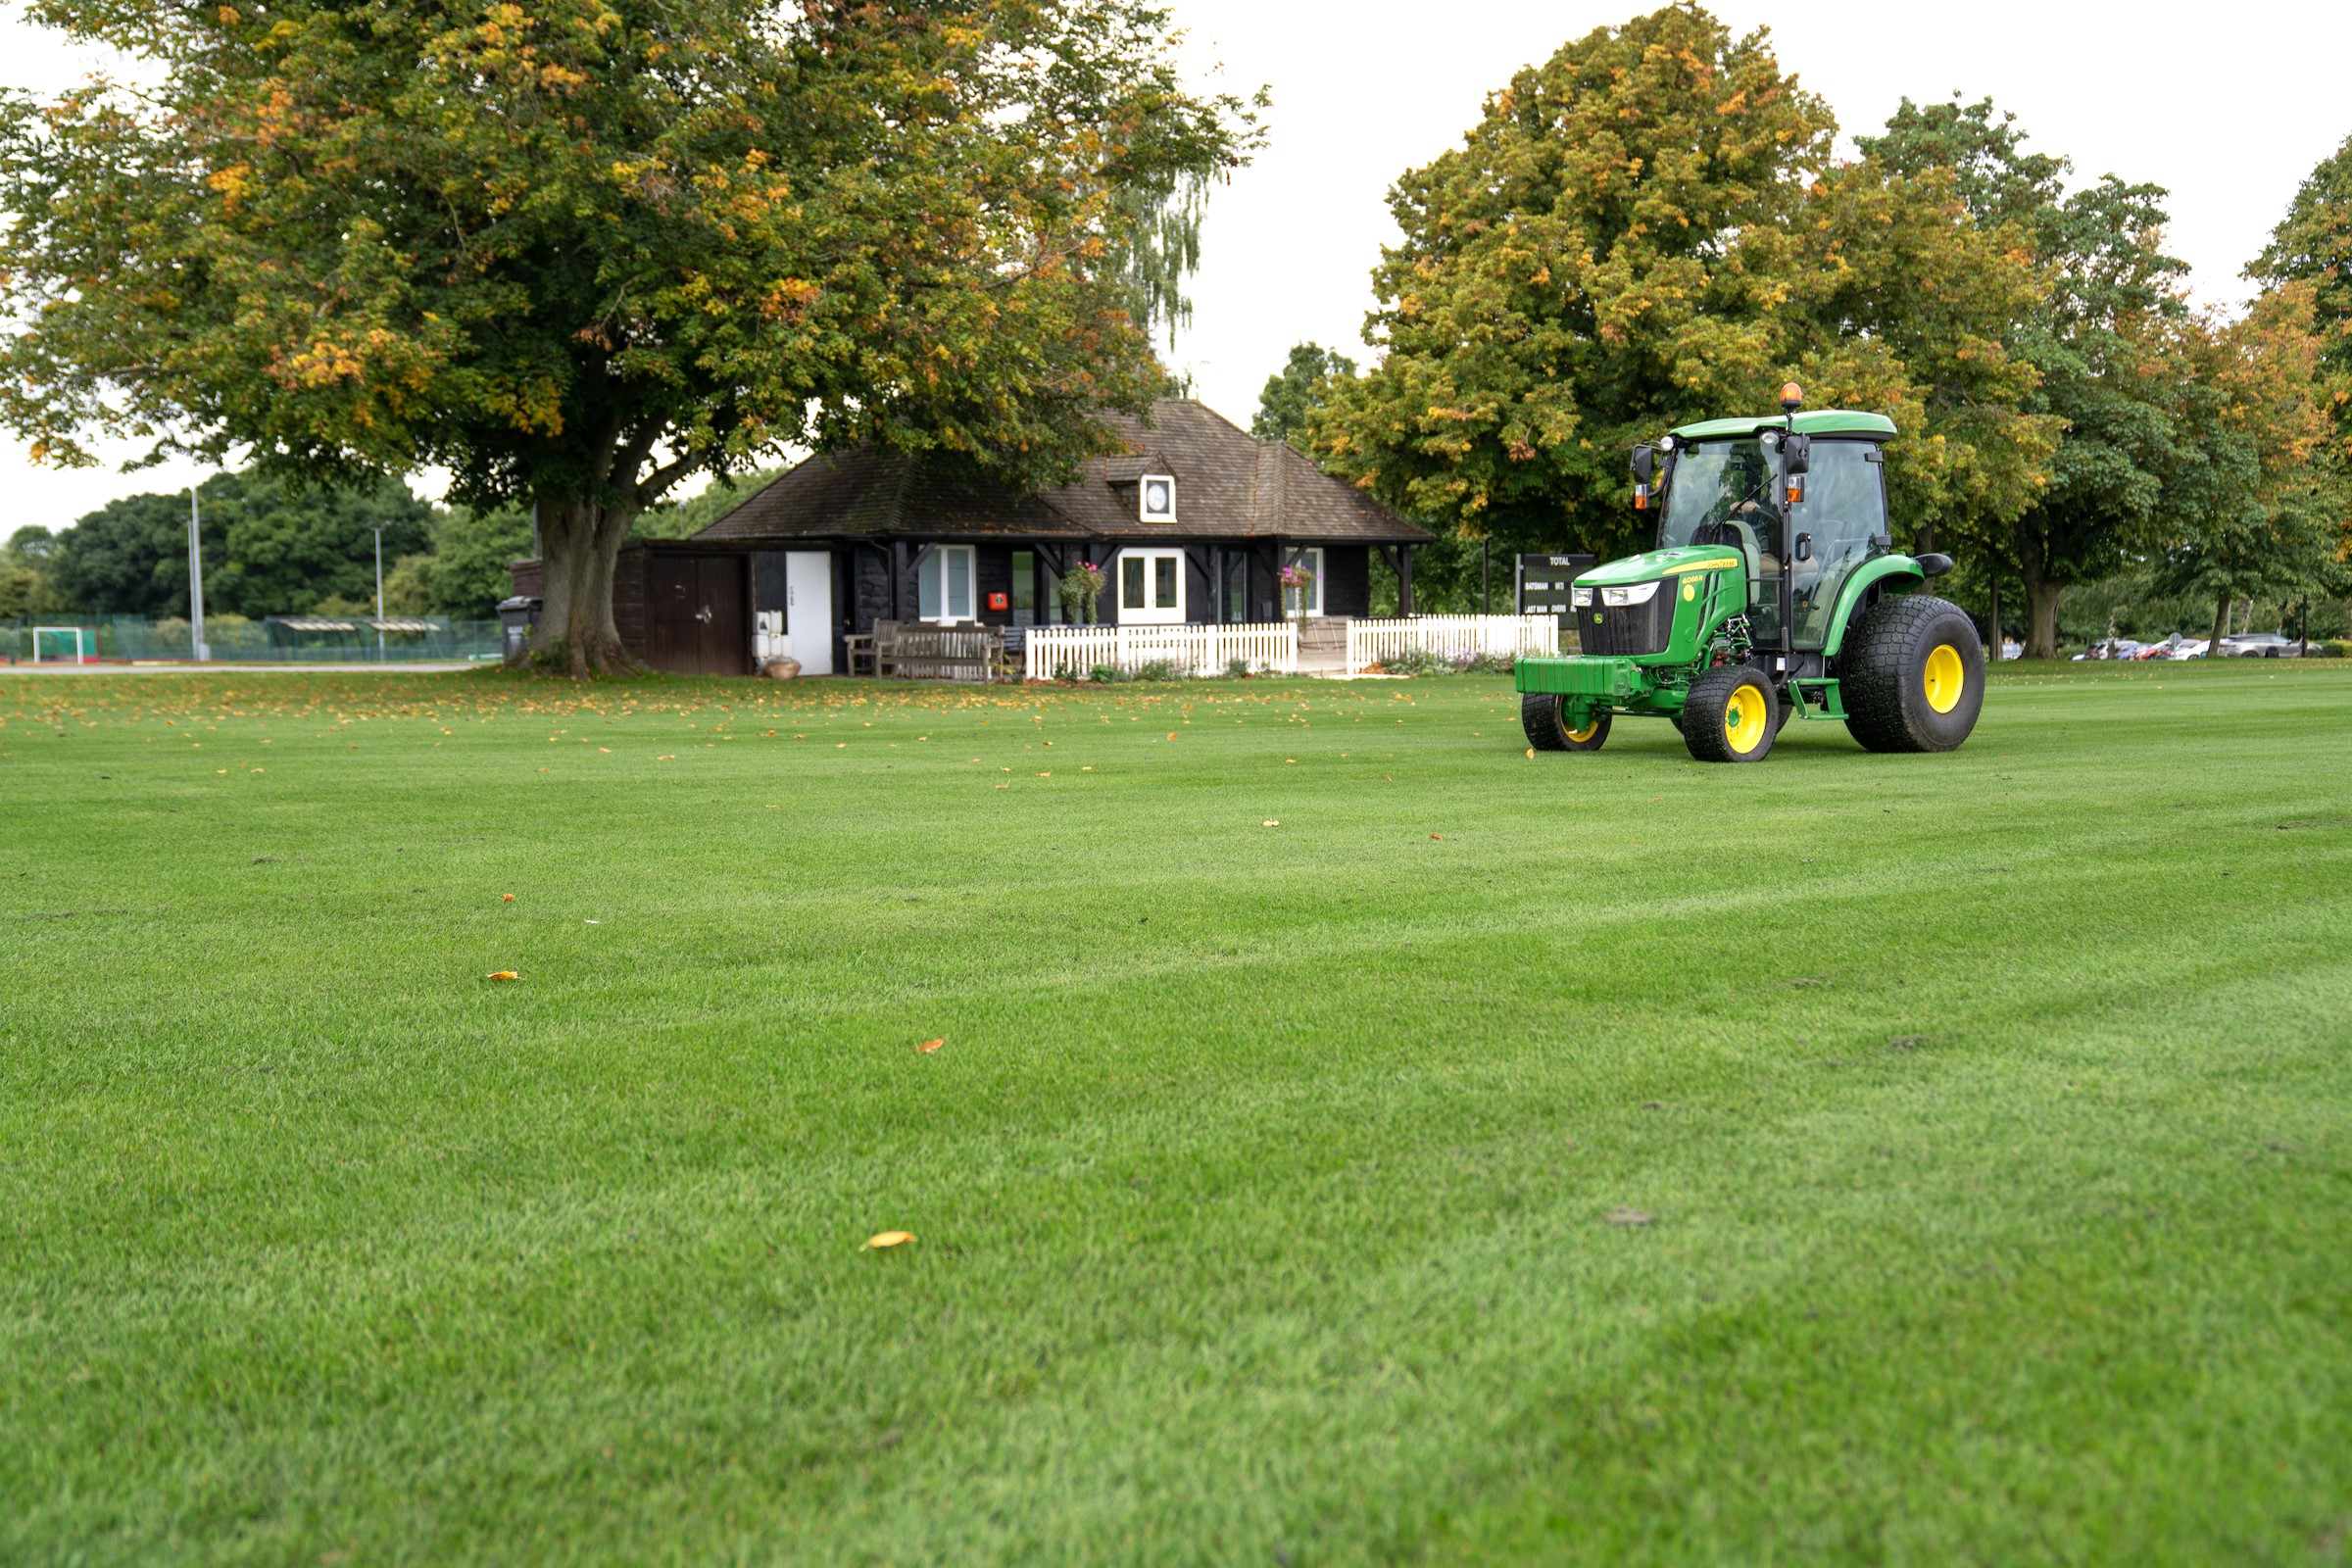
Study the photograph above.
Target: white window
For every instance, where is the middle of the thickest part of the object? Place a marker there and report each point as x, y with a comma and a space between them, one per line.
943, 585
1304, 598
1150, 587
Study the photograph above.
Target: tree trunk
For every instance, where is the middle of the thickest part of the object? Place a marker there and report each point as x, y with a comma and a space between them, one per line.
2221, 624
579, 541
1995, 619
2041, 602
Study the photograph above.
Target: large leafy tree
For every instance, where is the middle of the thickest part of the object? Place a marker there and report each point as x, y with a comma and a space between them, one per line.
2261, 502
29, 561
131, 557
285, 548
2106, 343
466, 572
1648, 228
1289, 392
576, 250
270, 547
2313, 245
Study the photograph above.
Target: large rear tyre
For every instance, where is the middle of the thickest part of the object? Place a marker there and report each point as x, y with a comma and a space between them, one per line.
1914, 675
1731, 716
1544, 717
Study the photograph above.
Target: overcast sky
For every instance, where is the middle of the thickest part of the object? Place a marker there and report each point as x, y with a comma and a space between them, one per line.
2228, 105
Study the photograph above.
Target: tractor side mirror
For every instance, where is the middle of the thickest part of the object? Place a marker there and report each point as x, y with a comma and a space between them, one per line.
1804, 547
1797, 450
1645, 468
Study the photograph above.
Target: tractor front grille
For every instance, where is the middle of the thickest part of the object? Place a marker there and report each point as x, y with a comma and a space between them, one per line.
1627, 629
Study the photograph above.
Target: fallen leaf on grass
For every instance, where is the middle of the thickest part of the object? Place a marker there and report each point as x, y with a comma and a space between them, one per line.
505, 974
1530, 751
1629, 1216
1273, 822
890, 1239
1437, 835
930, 1047
506, 898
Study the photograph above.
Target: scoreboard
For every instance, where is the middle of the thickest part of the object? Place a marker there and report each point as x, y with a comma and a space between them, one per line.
1543, 582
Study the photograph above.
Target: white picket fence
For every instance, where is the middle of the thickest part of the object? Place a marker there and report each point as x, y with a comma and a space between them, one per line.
1375, 642
1052, 652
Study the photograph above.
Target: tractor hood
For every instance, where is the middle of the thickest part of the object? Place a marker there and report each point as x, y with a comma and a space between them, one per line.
1655, 563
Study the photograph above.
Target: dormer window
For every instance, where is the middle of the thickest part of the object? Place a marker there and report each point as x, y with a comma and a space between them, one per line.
1156, 495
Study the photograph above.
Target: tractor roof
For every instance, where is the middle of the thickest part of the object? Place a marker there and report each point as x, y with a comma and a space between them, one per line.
1811, 421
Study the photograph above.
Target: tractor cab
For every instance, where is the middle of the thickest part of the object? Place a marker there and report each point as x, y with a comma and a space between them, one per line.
1800, 541
1775, 577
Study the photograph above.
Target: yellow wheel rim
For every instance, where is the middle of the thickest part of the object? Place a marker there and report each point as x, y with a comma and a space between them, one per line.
1944, 677
1580, 736
1744, 718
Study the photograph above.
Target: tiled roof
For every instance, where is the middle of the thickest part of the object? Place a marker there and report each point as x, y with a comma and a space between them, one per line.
1229, 484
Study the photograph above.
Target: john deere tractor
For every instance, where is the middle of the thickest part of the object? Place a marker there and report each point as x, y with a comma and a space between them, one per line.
1775, 589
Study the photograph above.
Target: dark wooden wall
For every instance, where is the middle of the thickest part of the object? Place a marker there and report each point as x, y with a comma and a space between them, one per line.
869, 600
628, 601
1347, 580
992, 573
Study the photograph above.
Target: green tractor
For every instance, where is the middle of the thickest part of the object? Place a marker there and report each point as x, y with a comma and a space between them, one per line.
1775, 589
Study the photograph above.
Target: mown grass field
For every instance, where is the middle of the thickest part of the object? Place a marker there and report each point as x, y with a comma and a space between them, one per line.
1602, 1160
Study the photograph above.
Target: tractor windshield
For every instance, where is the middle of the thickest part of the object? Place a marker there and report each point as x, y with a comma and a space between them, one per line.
1725, 493
1717, 483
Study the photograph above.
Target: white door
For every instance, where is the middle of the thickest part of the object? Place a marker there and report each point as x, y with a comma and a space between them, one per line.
809, 610
1150, 587
1304, 596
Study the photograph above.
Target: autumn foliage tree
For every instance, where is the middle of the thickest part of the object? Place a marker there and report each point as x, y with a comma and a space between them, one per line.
1648, 228
2313, 246
577, 250
2259, 503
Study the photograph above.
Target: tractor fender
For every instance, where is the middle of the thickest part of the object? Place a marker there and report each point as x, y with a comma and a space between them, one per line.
1857, 587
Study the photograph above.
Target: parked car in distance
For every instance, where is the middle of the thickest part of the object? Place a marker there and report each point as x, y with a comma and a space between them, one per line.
2260, 645
2111, 648
2189, 648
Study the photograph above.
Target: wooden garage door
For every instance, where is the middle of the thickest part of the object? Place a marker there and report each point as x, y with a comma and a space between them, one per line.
695, 614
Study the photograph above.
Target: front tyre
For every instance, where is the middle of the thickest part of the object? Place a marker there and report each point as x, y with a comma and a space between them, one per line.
1731, 716
1544, 717
1914, 677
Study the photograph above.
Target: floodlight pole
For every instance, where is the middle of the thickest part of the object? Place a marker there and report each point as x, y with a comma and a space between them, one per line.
204, 653
378, 529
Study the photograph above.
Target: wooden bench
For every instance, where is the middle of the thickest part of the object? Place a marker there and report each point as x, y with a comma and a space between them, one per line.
913, 651
858, 647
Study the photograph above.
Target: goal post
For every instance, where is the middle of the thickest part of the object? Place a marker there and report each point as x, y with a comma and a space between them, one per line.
56, 636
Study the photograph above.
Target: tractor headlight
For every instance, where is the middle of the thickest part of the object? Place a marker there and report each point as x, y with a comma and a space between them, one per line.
1581, 597
1640, 593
